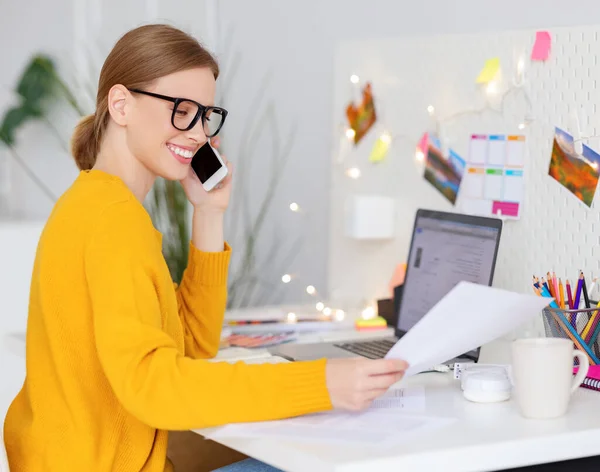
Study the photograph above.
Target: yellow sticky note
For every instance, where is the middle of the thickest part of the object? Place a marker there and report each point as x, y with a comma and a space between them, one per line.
380, 149
489, 71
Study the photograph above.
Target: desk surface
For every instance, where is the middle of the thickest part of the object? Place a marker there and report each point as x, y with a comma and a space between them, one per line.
486, 437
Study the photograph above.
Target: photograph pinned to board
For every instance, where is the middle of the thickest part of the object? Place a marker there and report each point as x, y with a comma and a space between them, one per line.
445, 173
362, 117
494, 180
577, 173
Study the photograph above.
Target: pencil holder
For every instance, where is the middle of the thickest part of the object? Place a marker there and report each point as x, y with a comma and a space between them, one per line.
581, 326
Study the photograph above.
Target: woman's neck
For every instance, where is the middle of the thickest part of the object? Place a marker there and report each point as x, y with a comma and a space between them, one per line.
117, 160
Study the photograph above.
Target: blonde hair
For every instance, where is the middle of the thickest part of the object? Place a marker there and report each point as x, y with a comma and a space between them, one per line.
140, 57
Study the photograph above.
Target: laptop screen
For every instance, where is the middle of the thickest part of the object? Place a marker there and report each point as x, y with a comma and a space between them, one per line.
442, 254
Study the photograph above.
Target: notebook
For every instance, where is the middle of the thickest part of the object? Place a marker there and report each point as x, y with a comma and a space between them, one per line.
592, 379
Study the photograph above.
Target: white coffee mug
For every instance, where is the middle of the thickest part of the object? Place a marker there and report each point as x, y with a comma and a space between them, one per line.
542, 370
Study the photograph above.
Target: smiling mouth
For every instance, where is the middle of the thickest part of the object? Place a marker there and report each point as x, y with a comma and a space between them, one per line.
185, 153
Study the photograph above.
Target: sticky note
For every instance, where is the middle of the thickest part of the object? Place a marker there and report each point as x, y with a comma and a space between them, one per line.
380, 150
397, 278
423, 143
541, 47
489, 71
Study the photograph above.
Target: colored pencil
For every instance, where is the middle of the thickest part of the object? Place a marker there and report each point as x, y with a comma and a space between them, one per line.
561, 294
586, 299
550, 286
569, 295
578, 292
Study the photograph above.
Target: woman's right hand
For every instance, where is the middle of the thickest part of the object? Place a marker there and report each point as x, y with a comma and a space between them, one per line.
354, 383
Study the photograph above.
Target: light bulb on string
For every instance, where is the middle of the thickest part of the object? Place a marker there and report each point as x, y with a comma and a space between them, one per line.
419, 156
327, 311
368, 313
354, 79
350, 133
286, 278
385, 137
492, 88
291, 317
294, 207
311, 290
431, 110
320, 306
353, 172
339, 315
521, 126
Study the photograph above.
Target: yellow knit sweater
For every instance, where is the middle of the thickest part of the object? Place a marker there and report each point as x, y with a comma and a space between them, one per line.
115, 351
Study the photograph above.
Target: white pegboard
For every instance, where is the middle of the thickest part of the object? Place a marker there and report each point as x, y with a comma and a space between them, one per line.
556, 231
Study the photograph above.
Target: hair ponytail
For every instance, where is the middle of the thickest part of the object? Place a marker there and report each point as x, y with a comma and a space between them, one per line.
138, 58
84, 143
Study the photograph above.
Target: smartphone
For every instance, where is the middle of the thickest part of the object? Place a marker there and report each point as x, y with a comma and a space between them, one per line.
209, 166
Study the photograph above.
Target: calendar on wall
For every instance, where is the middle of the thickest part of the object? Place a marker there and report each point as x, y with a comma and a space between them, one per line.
493, 184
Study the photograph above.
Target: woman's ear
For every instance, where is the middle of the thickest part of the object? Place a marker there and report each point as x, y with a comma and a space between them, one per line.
119, 105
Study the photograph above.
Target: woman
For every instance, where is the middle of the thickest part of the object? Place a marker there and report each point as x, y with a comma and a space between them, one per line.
115, 353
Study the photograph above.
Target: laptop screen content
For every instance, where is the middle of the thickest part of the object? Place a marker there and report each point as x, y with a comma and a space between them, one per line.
443, 253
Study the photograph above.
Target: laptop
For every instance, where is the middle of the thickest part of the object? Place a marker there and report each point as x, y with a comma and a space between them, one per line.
445, 249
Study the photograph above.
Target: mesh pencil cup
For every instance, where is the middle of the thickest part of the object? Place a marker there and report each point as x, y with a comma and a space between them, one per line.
581, 326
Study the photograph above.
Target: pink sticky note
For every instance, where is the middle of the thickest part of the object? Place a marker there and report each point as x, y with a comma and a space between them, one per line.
423, 143
541, 47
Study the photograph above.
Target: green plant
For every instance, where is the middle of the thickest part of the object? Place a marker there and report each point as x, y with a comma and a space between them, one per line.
38, 88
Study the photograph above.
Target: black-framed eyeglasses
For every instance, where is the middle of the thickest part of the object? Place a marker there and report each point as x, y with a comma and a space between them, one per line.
186, 113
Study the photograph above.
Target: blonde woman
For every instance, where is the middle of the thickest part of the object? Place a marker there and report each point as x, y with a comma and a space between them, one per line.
116, 354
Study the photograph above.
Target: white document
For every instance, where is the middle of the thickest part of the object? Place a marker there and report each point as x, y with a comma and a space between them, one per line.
407, 399
469, 316
374, 428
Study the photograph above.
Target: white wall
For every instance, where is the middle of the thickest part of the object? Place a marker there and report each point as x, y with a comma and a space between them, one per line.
295, 42
298, 40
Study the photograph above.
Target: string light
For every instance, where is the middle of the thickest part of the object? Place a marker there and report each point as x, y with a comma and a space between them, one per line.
430, 110
353, 172
354, 79
339, 315
291, 317
327, 311
419, 156
368, 313
386, 138
320, 306
350, 133
311, 290
521, 126
491, 88
286, 278
294, 207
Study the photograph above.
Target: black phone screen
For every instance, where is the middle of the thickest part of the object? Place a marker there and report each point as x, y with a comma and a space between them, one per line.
205, 163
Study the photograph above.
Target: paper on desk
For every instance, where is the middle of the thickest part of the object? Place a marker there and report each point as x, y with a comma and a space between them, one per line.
408, 399
374, 428
466, 318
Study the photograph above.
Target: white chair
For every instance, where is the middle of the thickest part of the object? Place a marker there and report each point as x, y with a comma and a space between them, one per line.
3, 456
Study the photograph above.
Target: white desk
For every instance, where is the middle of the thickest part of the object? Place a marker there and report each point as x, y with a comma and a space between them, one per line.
486, 437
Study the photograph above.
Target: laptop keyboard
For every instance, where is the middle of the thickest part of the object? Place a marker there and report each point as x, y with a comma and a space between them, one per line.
375, 349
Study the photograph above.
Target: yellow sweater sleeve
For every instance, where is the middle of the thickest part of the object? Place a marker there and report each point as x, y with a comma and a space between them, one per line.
202, 298
148, 374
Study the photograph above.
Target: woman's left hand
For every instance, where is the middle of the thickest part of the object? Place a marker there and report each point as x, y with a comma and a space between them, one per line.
215, 200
